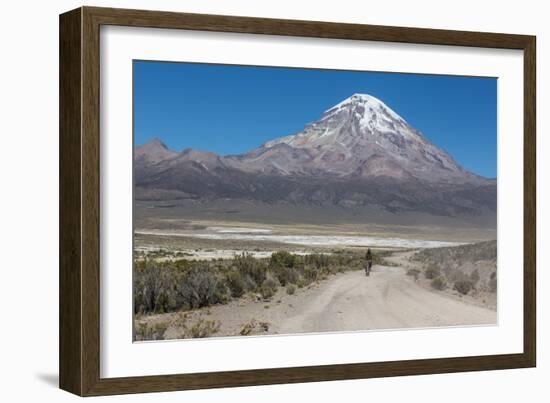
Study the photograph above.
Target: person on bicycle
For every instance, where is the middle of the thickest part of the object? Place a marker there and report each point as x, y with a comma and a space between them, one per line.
368, 258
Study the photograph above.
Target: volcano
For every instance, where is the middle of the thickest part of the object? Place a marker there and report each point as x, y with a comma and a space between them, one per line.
360, 156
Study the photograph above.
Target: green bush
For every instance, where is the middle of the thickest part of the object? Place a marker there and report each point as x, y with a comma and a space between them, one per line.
199, 288
464, 286
236, 284
321, 261
250, 267
283, 259
290, 289
144, 331
286, 275
268, 288
301, 283
439, 283
310, 274
414, 273
432, 271
153, 289
202, 328
165, 285
222, 295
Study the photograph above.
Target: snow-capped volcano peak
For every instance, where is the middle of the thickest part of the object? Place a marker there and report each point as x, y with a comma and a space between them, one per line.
368, 103
363, 136
356, 117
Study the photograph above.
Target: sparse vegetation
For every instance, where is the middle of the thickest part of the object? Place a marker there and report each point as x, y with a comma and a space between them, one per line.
235, 283
188, 328
474, 277
464, 268
268, 288
414, 273
290, 289
201, 288
247, 328
168, 285
432, 272
254, 327
203, 328
463, 286
282, 259
251, 269
144, 331
439, 283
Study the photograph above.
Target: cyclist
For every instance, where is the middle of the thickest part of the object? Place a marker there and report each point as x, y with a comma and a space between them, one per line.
368, 258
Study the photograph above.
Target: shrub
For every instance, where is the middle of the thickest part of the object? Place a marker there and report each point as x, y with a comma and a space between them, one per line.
301, 282
249, 283
249, 266
464, 286
282, 259
474, 276
235, 283
199, 288
222, 294
319, 260
144, 331
141, 331
310, 274
165, 285
202, 328
253, 326
268, 288
285, 275
432, 271
153, 289
414, 273
290, 289
439, 283
247, 328
457, 275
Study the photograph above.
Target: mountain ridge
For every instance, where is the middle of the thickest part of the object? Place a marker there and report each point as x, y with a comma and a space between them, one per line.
359, 153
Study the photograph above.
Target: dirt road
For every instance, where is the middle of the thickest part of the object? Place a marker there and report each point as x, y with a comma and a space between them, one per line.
387, 299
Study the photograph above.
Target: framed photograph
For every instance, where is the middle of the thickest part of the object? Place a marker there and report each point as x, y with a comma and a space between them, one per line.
249, 201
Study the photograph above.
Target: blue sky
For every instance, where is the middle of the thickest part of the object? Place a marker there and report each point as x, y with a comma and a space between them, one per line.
233, 109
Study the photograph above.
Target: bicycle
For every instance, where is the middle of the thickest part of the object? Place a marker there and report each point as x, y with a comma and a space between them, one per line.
368, 268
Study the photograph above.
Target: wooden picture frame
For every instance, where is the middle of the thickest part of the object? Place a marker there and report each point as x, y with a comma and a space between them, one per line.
79, 346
